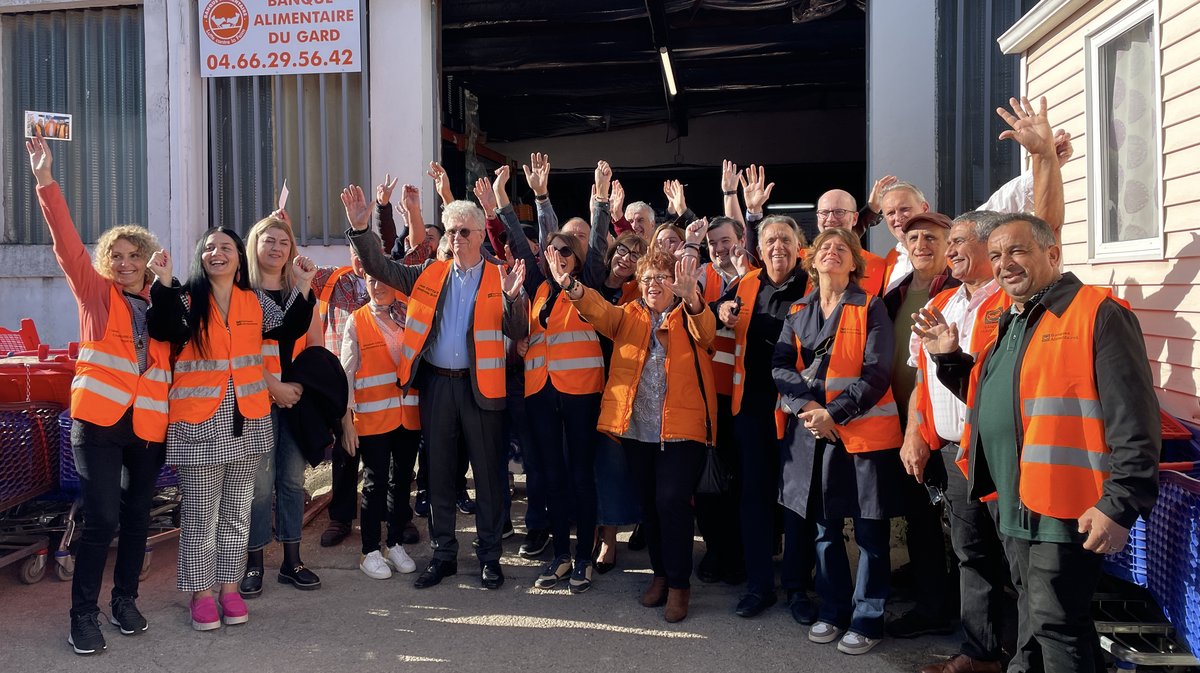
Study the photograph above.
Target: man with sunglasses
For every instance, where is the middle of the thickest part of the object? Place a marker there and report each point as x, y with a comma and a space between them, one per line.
459, 313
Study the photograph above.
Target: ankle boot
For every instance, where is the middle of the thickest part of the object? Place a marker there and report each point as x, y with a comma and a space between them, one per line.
655, 594
677, 605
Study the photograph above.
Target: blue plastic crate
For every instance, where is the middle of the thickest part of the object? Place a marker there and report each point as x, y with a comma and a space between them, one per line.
68, 476
1173, 572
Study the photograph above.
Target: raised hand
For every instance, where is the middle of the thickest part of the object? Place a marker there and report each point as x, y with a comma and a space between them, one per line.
441, 182
1063, 147
537, 173
755, 190
160, 266
303, 270
740, 260
938, 336
553, 262
282, 214
1030, 128
696, 230
500, 185
487, 200
410, 200
602, 178
687, 276
616, 202
510, 280
729, 176
873, 201
673, 190
358, 211
40, 159
383, 191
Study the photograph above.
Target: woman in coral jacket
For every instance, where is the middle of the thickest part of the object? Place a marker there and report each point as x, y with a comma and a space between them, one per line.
220, 412
840, 451
118, 403
660, 401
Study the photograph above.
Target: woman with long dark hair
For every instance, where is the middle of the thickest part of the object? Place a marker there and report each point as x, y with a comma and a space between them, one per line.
219, 411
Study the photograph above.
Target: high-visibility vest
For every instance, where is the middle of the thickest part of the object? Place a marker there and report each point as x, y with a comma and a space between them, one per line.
200, 379
487, 372
684, 411
747, 290
875, 276
379, 406
270, 353
983, 333
107, 381
889, 265
1064, 456
566, 351
713, 284
879, 427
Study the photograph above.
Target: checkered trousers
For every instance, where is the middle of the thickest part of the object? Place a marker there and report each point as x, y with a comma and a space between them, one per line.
214, 522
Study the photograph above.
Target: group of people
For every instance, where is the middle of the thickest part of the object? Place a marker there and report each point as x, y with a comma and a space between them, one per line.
720, 374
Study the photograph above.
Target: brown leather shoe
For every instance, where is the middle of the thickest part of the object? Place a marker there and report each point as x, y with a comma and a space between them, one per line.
655, 594
677, 605
961, 663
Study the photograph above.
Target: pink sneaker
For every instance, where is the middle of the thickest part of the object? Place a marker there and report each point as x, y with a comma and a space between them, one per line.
233, 609
204, 614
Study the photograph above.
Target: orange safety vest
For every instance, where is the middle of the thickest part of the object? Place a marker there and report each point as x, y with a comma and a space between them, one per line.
713, 281
488, 327
107, 381
236, 351
875, 275
889, 265
1064, 453
378, 405
987, 320
747, 290
683, 410
879, 427
566, 350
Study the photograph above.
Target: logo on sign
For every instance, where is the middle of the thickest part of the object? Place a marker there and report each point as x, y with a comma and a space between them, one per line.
225, 21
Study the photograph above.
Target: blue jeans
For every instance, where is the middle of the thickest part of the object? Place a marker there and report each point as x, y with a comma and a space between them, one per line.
858, 606
280, 471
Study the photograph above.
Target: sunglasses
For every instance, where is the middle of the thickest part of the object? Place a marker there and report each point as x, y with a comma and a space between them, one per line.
563, 250
465, 232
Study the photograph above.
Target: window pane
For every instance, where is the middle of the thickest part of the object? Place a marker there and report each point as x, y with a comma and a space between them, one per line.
1129, 135
90, 64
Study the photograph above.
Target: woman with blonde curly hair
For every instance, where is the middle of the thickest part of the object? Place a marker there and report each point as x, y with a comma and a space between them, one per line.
118, 403
270, 252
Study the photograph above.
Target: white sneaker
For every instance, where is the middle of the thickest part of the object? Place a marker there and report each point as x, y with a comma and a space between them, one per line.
856, 643
823, 632
374, 566
400, 560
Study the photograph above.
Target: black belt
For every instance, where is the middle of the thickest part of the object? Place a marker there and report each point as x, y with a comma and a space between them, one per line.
451, 373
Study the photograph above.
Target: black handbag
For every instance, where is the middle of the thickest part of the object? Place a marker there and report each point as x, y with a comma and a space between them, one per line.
714, 479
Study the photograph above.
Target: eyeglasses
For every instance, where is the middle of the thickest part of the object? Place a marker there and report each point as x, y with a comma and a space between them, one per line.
839, 213
622, 251
661, 279
465, 232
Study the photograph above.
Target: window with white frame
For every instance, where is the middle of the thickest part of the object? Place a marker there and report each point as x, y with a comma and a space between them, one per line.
89, 63
1124, 137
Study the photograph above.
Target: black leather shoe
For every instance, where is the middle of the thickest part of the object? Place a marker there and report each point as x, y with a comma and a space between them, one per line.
752, 605
465, 504
708, 570
802, 609
421, 504
335, 533
251, 584
410, 535
491, 576
435, 573
299, 577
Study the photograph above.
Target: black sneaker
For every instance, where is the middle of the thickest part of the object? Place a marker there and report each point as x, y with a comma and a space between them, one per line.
581, 577
508, 531
421, 504
534, 544
465, 504
126, 617
556, 571
86, 637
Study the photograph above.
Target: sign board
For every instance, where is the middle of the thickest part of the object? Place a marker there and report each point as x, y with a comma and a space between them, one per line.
279, 37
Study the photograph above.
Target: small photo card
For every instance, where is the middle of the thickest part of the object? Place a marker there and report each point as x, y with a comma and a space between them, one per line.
49, 125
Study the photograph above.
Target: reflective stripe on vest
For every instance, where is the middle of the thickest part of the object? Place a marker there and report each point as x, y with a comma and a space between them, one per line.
1064, 452
876, 429
107, 381
566, 351
233, 352
378, 406
487, 326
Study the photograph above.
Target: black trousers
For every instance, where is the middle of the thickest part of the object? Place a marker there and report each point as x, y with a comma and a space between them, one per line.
117, 471
343, 494
666, 476
987, 606
1056, 633
759, 449
717, 515
565, 440
933, 588
388, 461
449, 415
